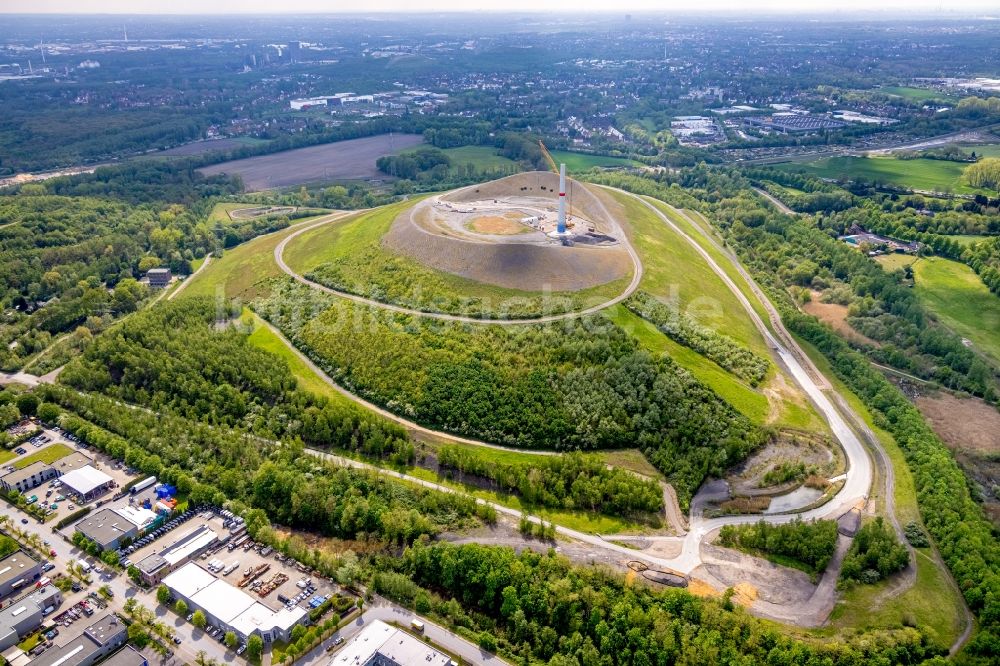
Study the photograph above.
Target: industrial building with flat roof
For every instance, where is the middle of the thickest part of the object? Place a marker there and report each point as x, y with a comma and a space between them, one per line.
127, 656
794, 123
110, 526
190, 544
230, 608
96, 642
37, 473
25, 615
18, 570
382, 645
158, 277
87, 482
26, 478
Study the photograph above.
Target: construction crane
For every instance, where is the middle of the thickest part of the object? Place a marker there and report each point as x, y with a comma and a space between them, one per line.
548, 157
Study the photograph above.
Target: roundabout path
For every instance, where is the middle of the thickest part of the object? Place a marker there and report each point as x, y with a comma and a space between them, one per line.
633, 285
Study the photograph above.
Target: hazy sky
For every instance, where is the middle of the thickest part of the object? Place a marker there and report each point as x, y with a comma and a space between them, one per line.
617, 6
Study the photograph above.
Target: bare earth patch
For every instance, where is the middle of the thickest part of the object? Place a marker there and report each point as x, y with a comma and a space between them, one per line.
969, 424
971, 429
494, 224
835, 315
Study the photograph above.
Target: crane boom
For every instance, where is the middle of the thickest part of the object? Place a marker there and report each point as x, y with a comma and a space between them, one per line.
548, 157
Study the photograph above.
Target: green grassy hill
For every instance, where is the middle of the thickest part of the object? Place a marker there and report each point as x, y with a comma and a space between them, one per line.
961, 301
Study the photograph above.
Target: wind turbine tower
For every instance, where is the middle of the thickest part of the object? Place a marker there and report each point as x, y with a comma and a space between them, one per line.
561, 226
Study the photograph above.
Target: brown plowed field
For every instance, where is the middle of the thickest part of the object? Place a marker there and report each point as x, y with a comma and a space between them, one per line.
342, 160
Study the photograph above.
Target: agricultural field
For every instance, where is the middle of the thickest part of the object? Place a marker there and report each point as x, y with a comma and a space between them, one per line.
329, 162
577, 162
202, 147
917, 94
918, 174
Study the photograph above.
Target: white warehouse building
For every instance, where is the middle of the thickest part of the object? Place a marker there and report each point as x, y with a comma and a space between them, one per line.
229, 607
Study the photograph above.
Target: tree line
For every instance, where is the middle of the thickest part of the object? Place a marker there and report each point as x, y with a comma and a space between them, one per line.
811, 544
538, 608
714, 346
569, 481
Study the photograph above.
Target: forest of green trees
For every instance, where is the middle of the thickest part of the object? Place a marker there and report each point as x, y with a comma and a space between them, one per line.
875, 553
773, 246
569, 481
810, 544
536, 608
582, 384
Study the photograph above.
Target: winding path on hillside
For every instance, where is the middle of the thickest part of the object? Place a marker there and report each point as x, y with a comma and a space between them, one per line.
778, 203
847, 426
859, 474
279, 252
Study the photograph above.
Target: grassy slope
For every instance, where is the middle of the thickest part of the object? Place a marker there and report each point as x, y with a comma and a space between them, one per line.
240, 272
750, 403
920, 174
961, 301
266, 339
674, 270
933, 602
353, 238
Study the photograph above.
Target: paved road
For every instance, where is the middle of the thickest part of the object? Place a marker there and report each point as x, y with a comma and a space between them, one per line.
123, 589
633, 285
859, 473
775, 200
187, 280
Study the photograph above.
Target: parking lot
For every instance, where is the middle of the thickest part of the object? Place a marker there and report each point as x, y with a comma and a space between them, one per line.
164, 536
271, 578
51, 446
